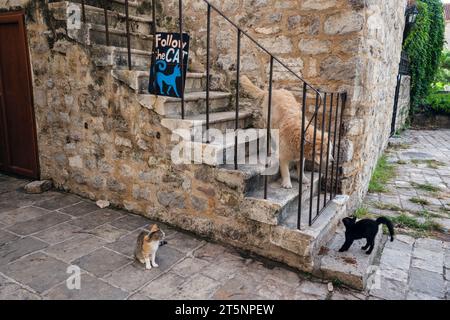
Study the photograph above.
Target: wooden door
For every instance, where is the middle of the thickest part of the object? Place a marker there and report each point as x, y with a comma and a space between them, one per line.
18, 143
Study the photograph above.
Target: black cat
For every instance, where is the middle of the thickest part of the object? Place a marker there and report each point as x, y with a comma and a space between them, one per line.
365, 228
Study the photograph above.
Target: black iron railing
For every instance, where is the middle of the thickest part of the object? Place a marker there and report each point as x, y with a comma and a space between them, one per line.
329, 105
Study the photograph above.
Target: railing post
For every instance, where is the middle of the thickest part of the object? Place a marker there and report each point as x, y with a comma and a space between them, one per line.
180, 19
208, 69
311, 191
325, 201
321, 151
83, 11
105, 11
334, 146
128, 33
344, 100
154, 33
236, 125
269, 121
302, 156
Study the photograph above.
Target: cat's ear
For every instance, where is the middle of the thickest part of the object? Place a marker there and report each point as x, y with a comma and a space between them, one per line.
354, 219
154, 228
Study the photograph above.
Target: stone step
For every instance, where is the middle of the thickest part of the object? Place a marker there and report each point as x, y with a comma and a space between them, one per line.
216, 153
117, 57
217, 120
354, 267
306, 242
118, 38
282, 201
96, 15
135, 7
195, 103
138, 80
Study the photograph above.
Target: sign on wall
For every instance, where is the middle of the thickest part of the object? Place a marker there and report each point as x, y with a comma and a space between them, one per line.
165, 74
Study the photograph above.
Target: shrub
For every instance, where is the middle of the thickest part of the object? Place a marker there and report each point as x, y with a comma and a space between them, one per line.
424, 45
439, 102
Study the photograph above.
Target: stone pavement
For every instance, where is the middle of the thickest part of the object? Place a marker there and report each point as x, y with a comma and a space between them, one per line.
417, 264
42, 235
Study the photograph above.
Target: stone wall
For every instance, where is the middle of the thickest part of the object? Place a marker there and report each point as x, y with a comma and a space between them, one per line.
404, 103
336, 45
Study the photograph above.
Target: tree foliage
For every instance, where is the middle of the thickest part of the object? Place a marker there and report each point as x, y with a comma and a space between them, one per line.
424, 45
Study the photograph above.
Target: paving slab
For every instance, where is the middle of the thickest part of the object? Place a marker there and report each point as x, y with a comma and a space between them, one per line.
197, 287
163, 287
389, 289
102, 262
109, 233
10, 290
132, 276
97, 218
59, 233
16, 249
183, 242
91, 288
308, 290
429, 283
6, 236
131, 222
78, 246
21, 215
38, 271
80, 208
38, 224
58, 202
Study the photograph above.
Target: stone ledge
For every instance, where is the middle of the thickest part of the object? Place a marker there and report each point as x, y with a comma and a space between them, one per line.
353, 267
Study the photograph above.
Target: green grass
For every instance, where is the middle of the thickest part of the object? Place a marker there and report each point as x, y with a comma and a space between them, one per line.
419, 201
361, 212
427, 214
386, 206
405, 221
384, 171
426, 186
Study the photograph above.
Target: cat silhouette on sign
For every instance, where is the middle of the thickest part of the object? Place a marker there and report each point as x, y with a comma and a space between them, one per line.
169, 80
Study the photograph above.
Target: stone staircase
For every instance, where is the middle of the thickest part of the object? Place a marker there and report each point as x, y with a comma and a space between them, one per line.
279, 211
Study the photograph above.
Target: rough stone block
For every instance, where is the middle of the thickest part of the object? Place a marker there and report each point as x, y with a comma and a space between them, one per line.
36, 187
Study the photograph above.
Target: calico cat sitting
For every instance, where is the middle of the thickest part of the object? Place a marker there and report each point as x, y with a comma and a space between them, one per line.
147, 245
364, 229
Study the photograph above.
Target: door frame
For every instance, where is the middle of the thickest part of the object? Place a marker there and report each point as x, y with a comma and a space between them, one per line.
19, 18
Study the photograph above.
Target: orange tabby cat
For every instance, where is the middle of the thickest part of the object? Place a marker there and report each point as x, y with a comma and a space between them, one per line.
286, 116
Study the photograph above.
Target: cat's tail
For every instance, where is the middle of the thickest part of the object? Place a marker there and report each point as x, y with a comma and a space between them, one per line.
250, 89
389, 225
162, 65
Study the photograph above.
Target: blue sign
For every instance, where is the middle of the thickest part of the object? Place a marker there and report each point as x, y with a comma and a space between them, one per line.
165, 73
